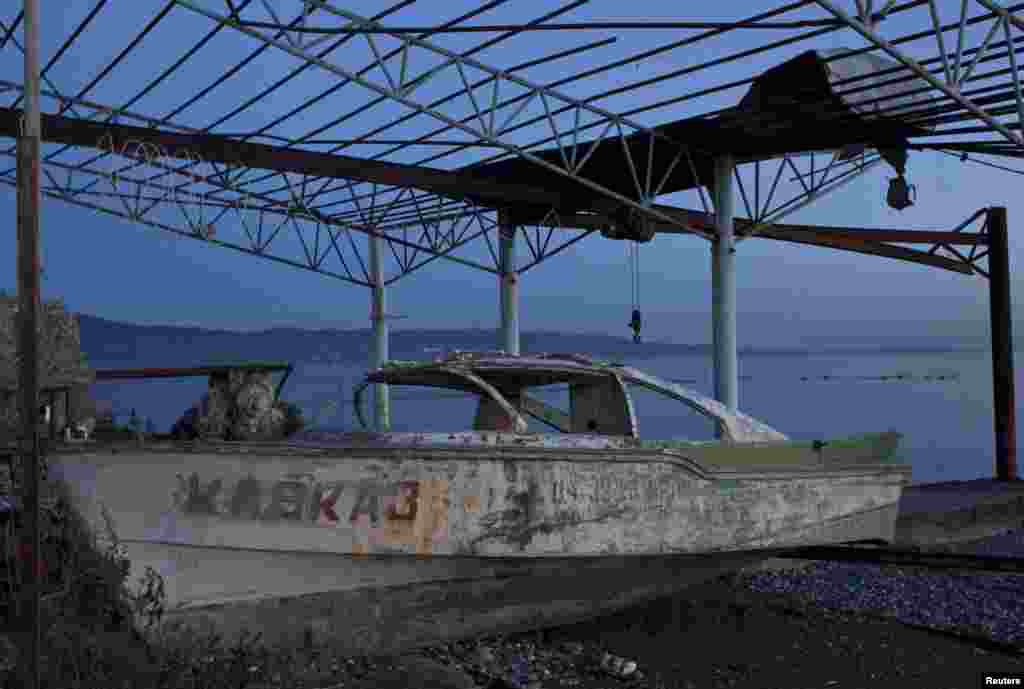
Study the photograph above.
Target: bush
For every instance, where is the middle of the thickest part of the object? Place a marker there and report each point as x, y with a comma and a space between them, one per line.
99, 633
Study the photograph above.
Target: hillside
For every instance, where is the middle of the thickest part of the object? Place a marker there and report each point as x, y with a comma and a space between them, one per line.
110, 341
106, 341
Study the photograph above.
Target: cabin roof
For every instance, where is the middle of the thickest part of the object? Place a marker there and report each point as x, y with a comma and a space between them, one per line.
496, 373
497, 368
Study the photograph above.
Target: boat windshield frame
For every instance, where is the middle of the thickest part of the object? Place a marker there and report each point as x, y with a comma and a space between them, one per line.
476, 372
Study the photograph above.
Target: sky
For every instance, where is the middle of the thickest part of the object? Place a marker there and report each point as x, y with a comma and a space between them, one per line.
787, 294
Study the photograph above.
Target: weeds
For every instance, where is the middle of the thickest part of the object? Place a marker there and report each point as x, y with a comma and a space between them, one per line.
101, 633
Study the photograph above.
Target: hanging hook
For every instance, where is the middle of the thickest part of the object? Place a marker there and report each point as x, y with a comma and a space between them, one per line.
636, 322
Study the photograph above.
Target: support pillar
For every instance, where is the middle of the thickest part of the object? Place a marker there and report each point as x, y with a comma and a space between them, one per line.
378, 318
716, 288
508, 286
28, 339
1004, 405
723, 299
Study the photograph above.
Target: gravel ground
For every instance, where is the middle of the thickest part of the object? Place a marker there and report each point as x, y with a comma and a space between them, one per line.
823, 625
829, 625
988, 605
724, 636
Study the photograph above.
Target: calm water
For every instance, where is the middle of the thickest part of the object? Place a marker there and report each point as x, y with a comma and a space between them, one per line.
947, 424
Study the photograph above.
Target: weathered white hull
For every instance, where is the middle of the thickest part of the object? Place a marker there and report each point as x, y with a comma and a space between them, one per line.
381, 547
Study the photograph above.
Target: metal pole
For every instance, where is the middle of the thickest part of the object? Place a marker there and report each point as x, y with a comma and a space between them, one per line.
379, 355
724, 306
28, 313
508, 286
1002, 346
716, 289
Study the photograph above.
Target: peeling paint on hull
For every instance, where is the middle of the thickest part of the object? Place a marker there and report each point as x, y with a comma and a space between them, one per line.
413, 544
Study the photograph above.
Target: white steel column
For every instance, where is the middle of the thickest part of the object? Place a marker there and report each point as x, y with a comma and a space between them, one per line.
723, 302
379, 352
508, 286
716, 288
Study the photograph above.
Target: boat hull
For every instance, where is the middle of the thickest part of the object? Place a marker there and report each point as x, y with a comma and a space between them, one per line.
376, 548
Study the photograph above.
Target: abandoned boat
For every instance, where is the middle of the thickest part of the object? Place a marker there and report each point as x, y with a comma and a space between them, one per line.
384, 541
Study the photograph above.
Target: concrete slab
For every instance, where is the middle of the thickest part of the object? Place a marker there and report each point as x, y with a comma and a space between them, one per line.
953, 495
958, 511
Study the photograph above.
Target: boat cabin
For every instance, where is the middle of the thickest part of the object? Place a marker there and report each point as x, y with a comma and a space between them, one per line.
599, 399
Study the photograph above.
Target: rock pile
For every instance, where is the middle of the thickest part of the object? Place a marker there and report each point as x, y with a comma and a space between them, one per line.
240, 406
532, 661
61, 363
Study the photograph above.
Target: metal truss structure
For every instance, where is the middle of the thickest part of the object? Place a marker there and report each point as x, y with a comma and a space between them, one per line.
387, 167
291, 196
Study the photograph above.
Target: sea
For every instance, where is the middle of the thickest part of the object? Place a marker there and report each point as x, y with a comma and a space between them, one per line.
940, 402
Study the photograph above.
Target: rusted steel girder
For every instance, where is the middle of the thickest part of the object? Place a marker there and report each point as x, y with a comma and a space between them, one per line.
211, 372
872, 248
698, 220
871, 242
780, 230
870, 235
213, 148
219, 149
185, 372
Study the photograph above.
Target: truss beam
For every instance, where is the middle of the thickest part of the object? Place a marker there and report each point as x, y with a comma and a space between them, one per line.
873, 248
261, 225
213, 148
873, 242
84, 133
951, 88
404, 89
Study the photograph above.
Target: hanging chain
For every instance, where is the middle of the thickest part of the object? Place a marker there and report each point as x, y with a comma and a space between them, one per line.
629, 271
633, 267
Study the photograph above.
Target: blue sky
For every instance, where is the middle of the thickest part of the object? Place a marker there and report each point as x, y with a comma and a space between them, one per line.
786, 293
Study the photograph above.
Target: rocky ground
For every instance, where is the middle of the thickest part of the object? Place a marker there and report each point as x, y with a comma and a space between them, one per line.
827, 625
820, 625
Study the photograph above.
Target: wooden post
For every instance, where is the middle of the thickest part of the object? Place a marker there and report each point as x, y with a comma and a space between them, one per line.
1004, 406
28, 314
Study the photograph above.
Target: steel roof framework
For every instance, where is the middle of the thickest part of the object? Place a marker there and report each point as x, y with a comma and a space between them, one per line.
341, 211
346, 215
328, 220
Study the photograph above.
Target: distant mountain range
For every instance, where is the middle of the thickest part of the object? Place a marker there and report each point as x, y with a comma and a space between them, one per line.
105, 342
